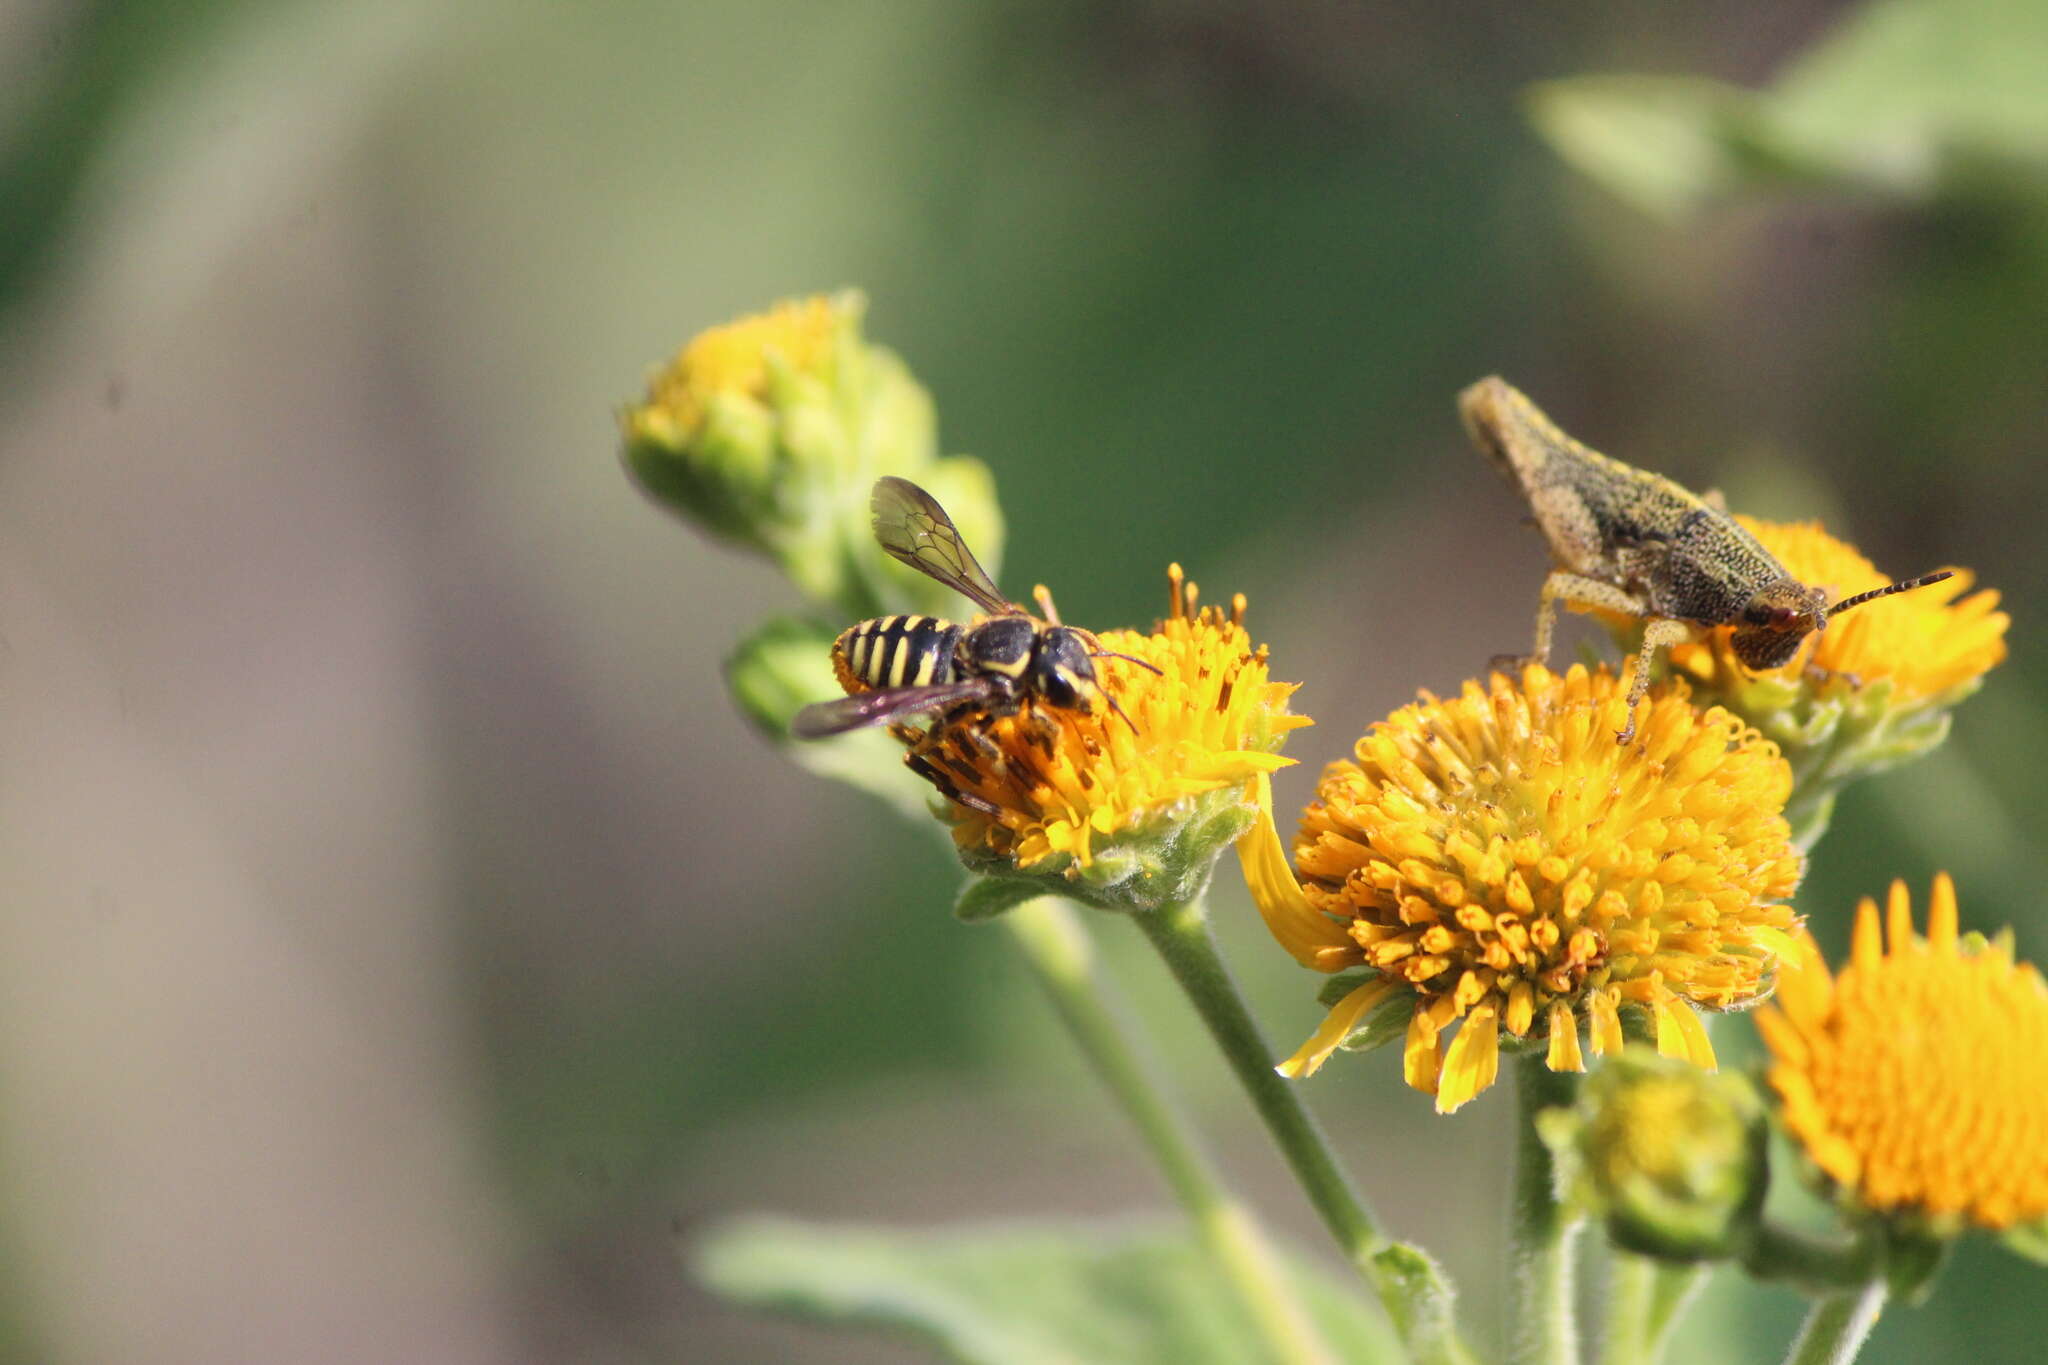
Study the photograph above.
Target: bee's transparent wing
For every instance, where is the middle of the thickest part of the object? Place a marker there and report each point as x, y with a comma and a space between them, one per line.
912, 526
841, 714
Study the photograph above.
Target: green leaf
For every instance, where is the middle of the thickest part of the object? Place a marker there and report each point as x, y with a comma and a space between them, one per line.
1667, 144
785, 666
1907, 97
1427, 1304
1129, 1293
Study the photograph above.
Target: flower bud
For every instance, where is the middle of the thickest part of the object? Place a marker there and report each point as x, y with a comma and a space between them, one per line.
771, 429
1670, 1157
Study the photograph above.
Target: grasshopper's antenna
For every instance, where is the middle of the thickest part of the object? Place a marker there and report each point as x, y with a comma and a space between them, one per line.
1904, 585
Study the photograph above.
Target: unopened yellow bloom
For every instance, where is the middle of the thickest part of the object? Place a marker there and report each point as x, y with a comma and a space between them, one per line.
1126, 809
769, 430
1926, 642
1497, 859
734, 361
1917, 1076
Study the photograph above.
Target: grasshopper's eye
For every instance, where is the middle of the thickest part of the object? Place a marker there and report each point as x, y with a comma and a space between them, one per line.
1766, 616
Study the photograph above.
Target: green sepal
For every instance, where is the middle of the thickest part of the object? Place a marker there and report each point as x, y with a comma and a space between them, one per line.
1166, 859
985, 898
1023, 1294
1913, 1260
2028, 1239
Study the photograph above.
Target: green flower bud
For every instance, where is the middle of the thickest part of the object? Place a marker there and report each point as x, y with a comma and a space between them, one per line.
771, 430
1670, 1157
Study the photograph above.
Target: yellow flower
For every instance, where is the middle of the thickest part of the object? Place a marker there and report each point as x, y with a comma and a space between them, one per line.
733, 361
1497, 858
1131, 812
1917, 1077
1926, 642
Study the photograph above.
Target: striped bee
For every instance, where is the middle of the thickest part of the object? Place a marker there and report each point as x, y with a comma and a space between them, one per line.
896, 667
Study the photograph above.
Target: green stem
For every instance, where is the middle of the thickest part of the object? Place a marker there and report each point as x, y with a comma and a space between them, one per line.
1542, 1324
1062, 958
1644, 1299
1837, 1326
1180, 933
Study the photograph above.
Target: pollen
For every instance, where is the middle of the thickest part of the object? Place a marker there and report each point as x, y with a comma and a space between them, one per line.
734, 359
1916, 1077
1072, 787
1500, 859
1926, 642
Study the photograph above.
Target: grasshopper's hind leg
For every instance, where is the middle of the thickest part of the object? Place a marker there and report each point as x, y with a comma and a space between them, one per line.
1562, 585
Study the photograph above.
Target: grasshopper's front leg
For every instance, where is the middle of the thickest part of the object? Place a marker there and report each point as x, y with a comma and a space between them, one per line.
1564, 585
1661, 633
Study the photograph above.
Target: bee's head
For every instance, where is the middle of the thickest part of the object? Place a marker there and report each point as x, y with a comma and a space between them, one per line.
1061, 669
1778, 617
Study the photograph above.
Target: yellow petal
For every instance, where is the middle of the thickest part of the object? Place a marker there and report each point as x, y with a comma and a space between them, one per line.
1941, 916
1473, 1062
1564, 1040
1304, 931
1338, 1025
1606, 1024
1421, 1060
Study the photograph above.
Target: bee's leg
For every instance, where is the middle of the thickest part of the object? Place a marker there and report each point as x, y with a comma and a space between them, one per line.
1563, 585
946, 787
1043, 596
1661, 633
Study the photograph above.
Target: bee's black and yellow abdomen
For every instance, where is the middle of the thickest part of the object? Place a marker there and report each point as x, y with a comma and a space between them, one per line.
897, 651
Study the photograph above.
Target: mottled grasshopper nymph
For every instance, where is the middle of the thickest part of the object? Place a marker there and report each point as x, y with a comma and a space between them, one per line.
1630, 541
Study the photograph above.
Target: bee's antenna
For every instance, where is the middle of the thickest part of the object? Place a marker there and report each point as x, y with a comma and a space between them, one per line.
1129, 659
1904, 585
1117, 707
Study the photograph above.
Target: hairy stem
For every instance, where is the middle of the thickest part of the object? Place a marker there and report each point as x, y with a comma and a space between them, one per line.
1181, 935
1644, 1298
1837, 1326
1063, 961
1542, 1322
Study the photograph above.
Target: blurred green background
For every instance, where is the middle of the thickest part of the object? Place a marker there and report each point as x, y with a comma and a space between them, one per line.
406, 948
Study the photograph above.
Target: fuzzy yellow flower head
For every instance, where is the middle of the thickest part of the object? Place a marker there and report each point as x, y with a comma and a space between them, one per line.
1917, 1076
1496, 858
1129, 814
